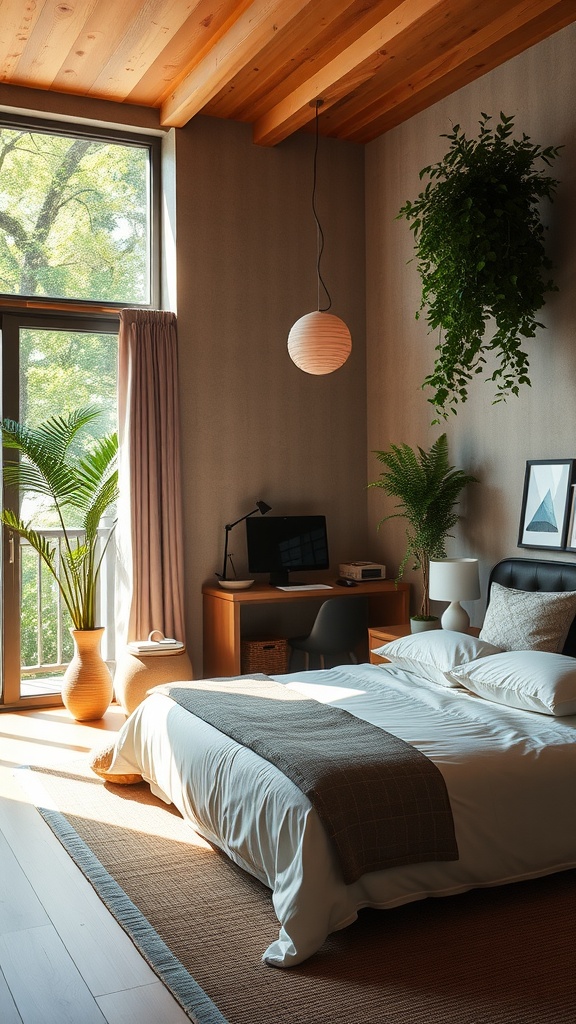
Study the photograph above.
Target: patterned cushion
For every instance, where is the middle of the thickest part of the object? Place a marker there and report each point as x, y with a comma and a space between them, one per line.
522, 620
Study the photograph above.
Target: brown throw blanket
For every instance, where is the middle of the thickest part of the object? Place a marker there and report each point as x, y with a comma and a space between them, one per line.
382, 802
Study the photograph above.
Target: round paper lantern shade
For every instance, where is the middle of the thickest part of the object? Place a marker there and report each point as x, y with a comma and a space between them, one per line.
319, 343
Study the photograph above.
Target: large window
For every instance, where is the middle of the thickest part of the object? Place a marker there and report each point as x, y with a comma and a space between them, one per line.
75, 216
60, 364
78, 216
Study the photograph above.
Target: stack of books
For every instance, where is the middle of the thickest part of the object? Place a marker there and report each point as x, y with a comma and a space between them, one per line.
149, 647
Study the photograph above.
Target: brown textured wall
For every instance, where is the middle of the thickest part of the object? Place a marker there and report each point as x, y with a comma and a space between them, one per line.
493, 442
254, 426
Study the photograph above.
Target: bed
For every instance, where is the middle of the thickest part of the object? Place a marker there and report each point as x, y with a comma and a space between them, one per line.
498, 722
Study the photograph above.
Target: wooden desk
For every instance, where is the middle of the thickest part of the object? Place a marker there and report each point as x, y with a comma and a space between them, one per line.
222, 613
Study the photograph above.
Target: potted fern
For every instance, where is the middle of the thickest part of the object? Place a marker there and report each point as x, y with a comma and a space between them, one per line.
427, 488
79, 489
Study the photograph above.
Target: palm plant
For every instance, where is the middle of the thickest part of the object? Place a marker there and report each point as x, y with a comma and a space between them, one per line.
79, 488
428, 489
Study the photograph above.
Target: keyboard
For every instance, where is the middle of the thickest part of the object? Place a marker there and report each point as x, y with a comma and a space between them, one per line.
307, 586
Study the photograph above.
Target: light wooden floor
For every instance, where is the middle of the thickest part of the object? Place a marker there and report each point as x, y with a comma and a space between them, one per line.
63, 958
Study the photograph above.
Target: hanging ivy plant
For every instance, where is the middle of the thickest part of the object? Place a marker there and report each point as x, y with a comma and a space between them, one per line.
480, 249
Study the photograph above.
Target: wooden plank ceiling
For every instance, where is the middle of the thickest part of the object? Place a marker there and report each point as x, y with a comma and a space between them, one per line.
374, 63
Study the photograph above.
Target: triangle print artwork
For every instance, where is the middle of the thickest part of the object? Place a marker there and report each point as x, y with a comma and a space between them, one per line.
544, 518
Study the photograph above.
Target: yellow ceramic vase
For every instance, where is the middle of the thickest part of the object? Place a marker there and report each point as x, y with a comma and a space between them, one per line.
87, 683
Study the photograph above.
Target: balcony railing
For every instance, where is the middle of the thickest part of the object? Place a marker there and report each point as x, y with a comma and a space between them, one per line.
45, 638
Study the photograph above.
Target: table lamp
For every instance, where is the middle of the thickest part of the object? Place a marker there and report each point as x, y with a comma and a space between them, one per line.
454, 580
261, 507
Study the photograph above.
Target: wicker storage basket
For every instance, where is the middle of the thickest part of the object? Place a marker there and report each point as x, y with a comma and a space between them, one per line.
266, 654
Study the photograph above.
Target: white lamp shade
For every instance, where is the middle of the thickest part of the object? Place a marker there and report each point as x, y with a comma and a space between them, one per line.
319, 343
454, 580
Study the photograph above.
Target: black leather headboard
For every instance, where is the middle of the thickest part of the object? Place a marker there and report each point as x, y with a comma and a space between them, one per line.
536, 574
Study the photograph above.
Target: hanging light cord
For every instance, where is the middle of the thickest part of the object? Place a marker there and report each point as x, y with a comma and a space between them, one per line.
319, 232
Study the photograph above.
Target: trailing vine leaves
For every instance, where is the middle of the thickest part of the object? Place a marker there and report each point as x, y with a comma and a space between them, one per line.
480, 249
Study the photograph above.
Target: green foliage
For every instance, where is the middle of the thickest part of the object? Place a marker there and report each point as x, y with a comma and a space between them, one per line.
29, 638
79, 490
480, 248
427, 488
73, 217
63, 369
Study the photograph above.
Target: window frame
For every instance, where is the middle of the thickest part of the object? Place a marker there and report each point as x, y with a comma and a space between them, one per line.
18, 311
11, 324
76, 129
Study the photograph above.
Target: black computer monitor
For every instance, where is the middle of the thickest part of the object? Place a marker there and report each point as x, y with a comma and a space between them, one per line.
280, 545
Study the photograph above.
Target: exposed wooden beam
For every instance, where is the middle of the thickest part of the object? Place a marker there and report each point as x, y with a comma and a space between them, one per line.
516, 29
374, 63
464, 64
207, 23
245, 39
327, 26
357, 64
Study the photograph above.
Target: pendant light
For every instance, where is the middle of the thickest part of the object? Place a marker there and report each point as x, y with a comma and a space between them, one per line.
319, 342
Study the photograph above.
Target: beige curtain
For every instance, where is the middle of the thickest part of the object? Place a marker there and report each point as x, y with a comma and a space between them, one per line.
150, 591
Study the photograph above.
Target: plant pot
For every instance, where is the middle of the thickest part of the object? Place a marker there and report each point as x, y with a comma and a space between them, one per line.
87, 682
421, 625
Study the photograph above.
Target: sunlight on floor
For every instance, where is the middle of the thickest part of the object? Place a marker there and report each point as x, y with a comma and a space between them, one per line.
160, 821
51, 736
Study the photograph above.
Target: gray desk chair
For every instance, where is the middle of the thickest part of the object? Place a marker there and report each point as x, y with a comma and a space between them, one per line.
339, 627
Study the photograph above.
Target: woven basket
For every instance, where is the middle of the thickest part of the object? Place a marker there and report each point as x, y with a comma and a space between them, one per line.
267, 655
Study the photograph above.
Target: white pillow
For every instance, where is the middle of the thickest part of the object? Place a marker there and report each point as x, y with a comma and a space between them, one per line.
530, 680
435, 652
528, 620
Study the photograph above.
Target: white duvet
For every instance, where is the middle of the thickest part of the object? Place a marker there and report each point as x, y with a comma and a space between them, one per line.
510, 777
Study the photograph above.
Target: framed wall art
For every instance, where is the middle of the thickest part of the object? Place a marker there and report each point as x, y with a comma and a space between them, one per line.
545, 503
571, 533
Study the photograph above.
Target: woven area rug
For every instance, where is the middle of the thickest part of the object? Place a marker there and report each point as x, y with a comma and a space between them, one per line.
494, 956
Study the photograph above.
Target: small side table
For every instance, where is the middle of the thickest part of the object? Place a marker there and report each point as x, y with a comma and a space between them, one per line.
379, 635
136, 674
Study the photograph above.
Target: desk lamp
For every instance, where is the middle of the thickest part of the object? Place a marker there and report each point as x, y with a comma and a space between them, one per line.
454, 580
261, 507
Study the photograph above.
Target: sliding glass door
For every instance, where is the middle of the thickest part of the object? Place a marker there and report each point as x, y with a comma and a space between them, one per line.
50, 365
